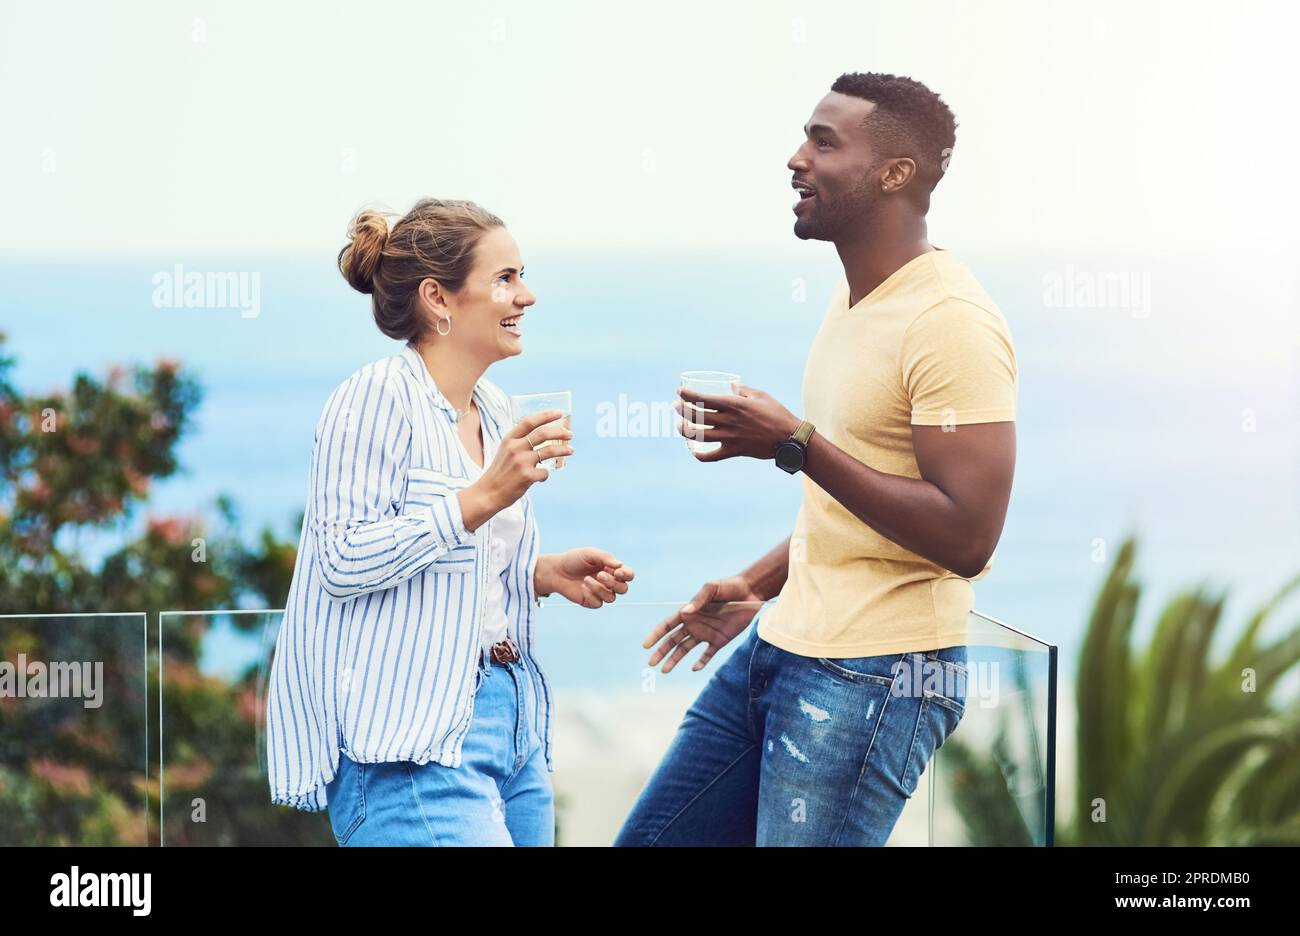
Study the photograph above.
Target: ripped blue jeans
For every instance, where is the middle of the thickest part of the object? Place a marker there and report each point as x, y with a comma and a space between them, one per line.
782, 749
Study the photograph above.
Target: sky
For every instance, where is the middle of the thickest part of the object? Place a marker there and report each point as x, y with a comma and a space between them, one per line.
1150, 141
1160, 128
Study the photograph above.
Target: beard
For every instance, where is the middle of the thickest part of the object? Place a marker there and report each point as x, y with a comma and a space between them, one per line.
830, 219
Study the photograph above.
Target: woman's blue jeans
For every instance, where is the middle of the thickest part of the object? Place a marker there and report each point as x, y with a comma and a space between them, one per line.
782, 749
499, 795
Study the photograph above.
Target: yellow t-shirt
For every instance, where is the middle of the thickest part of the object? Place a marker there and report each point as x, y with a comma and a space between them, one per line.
927, 347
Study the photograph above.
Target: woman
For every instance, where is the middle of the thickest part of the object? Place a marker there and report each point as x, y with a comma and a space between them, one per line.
405, 695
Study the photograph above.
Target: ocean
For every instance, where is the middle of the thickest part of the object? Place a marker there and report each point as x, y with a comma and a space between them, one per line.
1163, 406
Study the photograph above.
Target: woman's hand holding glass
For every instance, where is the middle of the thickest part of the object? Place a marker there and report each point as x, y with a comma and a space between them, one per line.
515, 468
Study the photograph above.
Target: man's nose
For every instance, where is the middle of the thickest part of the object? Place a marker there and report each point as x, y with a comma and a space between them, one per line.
798, 162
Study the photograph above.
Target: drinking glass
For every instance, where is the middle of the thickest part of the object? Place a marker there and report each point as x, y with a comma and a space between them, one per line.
711, 382
527, 404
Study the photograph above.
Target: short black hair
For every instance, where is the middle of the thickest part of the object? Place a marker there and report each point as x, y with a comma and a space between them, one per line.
909, 120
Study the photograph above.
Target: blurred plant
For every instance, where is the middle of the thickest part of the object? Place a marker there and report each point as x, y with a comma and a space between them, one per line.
1180, 749
1185, 751
83, 463
998, 803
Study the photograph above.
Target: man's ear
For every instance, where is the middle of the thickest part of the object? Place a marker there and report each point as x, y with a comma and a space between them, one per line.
897, 174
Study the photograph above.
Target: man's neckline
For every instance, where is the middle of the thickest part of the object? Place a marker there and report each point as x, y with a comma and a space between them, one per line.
888, 282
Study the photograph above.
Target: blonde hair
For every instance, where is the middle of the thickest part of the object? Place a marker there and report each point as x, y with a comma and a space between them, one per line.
434, 239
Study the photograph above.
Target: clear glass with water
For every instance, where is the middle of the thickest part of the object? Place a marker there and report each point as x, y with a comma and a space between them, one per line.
714, 383
527, 404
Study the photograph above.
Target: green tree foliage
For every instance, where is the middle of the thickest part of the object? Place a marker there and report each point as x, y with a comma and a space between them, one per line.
81, 464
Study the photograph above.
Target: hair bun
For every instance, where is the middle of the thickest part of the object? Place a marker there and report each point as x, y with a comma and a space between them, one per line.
359, 259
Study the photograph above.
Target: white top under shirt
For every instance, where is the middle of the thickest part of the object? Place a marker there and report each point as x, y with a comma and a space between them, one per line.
507, 532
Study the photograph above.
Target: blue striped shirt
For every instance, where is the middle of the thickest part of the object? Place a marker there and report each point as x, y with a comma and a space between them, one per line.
381, 635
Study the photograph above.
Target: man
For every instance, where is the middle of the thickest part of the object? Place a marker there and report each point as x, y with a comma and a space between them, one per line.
817, 729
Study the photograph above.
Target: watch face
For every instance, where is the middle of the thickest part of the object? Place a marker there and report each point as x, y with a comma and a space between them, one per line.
789, 457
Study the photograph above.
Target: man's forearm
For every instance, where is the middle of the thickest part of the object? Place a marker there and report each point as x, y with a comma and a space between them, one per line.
767, 576
911, 512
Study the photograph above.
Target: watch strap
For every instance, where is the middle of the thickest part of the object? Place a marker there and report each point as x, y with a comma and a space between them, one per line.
803, 433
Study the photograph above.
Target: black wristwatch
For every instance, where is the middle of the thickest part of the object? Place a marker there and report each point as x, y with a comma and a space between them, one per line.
791, 453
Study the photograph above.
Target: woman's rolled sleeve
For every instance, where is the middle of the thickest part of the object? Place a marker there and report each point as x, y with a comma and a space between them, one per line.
368, 537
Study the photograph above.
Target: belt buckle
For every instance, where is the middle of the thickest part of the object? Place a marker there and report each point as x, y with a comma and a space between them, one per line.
505, 651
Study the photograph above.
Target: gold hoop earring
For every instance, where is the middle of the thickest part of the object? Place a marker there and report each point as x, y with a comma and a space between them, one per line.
438, 326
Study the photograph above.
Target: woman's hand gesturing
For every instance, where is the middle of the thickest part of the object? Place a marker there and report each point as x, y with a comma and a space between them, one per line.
586, 576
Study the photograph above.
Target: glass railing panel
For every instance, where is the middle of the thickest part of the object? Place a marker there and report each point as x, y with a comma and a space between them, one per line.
212, 699
614, 714
993, 781
615, 718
